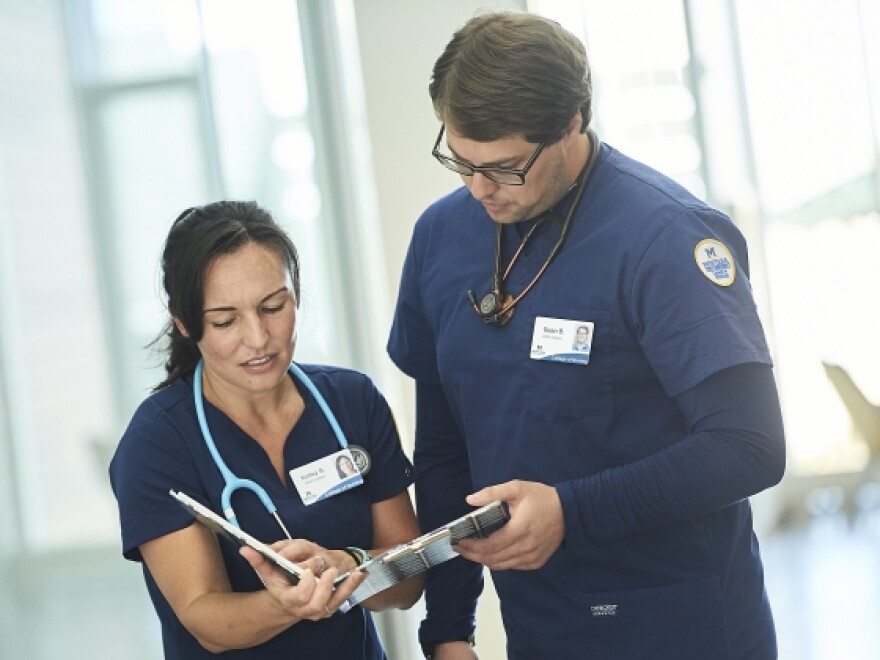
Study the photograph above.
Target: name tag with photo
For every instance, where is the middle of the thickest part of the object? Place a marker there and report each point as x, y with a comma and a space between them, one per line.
562, 340
326, 477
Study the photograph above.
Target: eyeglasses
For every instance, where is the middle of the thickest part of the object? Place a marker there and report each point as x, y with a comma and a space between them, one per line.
504, 175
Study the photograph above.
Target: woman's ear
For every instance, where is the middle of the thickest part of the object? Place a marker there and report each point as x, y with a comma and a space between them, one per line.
180, 327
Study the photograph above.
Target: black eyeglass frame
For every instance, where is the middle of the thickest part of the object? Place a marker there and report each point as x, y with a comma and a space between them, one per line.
456, 165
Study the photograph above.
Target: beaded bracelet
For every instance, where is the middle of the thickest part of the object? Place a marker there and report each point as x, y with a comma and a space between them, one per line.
359, 555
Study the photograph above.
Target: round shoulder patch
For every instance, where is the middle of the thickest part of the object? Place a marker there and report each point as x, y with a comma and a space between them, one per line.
715, 261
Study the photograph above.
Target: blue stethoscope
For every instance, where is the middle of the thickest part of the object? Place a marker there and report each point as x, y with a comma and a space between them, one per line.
233, 482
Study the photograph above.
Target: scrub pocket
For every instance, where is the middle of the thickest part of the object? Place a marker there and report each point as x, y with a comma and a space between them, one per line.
679, 622
558, 388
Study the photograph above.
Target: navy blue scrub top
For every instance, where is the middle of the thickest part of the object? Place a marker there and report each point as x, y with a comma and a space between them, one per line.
163, 449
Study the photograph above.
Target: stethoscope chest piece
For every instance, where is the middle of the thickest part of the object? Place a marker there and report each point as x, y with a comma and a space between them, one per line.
489, 304
361, 458
495, 308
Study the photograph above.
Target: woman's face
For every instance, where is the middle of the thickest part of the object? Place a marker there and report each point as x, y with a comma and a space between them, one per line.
249, 320
346, 465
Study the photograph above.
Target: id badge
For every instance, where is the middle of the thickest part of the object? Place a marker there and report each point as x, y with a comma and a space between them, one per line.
562, 340
326, 477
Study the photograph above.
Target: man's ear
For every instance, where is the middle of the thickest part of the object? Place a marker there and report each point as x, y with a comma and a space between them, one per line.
180, 327
575, 125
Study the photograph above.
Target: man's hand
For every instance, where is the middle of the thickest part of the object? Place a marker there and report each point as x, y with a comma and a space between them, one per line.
535, 530
454, 651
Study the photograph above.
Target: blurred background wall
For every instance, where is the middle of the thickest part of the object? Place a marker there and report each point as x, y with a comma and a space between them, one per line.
117, 114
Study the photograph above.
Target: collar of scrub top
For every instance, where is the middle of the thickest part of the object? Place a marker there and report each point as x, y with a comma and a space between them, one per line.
234, 482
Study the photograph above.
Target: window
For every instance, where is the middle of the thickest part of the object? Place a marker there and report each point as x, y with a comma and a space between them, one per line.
96, 186
776, 121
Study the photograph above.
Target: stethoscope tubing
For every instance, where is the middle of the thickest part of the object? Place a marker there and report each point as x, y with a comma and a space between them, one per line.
231, 480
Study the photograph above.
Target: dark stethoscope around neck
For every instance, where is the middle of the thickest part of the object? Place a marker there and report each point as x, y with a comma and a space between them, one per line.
495, 307
233, 482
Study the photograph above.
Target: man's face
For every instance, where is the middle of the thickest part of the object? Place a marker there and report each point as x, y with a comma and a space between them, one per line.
545, 183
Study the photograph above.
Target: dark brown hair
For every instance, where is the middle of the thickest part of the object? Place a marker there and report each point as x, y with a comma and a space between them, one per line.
512, 73
197, 237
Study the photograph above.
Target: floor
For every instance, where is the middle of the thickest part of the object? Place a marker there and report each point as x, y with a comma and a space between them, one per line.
823, 579
824, 585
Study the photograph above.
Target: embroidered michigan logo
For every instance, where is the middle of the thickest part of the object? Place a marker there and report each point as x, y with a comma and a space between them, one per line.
715, 261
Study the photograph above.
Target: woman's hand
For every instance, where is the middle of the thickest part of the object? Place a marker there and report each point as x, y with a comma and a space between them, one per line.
314, 557
314, 597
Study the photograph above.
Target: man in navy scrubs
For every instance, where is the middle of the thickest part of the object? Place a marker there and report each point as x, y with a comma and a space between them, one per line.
627, 469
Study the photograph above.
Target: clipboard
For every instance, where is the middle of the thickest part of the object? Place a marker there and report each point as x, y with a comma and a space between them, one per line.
223, 527
409, 559
383, 571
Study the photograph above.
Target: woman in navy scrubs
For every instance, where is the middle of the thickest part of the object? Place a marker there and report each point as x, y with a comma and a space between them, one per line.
231, 276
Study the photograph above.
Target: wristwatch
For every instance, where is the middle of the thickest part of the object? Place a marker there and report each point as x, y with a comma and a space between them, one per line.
428, 648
